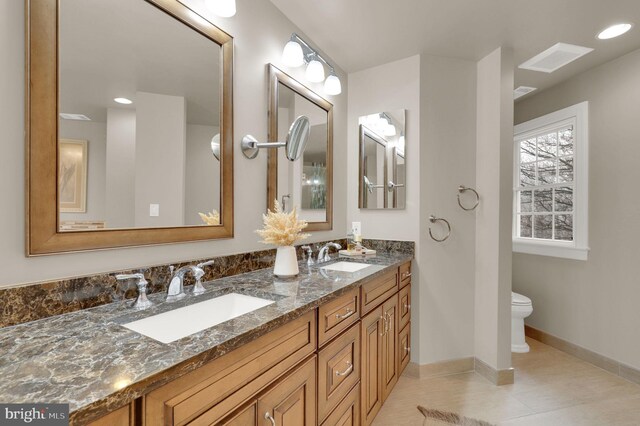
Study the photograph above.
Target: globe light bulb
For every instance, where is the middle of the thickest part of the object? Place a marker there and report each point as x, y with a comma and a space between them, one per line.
332, 85
292, 55
315, 71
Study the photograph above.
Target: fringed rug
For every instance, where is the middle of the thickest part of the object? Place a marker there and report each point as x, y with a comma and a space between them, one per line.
447, 418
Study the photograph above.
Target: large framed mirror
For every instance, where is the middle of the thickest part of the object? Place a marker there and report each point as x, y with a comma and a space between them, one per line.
130, 125
382, 168
306, 183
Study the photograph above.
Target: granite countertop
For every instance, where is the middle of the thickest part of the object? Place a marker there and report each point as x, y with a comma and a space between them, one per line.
88, 360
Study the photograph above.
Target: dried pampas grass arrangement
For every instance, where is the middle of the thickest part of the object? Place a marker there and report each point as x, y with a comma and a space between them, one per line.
212, 218
282, 229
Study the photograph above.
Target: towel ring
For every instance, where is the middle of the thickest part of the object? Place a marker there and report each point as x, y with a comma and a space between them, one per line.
434, 219
462, 189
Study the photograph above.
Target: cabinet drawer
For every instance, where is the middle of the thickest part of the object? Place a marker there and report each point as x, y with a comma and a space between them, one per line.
337, 315
405, 274
347, 413
404, 348
377, 291
404, 309
246, 416
338, 370
218, 388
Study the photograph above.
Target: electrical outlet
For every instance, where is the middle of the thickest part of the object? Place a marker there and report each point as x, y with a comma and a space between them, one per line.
154, 210
357, 227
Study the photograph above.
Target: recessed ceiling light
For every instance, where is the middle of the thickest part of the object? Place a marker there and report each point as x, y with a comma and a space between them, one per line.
123, 101
614, 31
67, 116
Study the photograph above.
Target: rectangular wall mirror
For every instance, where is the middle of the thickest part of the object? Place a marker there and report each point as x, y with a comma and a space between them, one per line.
382, 173
130, 125
306, 183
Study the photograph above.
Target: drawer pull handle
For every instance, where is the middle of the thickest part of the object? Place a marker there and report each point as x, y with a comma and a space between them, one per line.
383, 318
347, 314
406, 275
347, 371
268, 416
407, 349
407, 306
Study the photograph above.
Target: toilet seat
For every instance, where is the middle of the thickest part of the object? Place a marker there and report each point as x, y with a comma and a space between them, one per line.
519, 300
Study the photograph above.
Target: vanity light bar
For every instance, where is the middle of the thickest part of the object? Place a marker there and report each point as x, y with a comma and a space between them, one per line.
298, 52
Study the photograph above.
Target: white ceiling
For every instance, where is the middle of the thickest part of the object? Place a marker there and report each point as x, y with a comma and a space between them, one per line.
359, 34
115, 48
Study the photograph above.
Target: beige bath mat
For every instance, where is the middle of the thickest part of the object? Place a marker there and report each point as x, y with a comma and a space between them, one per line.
436, 418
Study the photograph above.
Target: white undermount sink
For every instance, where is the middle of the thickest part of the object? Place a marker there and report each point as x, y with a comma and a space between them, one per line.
345, 266
173, 325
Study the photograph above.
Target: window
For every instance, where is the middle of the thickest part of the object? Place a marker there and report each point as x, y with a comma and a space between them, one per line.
550, 191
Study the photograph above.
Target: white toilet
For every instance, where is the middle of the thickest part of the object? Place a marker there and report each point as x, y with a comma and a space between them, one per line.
521, 307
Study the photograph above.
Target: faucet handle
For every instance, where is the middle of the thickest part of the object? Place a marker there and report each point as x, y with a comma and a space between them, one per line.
142, 302
207, 263
309, 251
198, 288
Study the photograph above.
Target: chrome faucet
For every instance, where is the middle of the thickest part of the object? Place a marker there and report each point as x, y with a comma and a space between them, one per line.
176, 285
141, 301
323, 254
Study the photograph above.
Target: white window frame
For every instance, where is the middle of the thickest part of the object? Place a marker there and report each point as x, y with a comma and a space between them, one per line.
577, 249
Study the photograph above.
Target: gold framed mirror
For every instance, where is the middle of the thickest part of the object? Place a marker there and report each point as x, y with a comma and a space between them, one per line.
153, 168
306, 183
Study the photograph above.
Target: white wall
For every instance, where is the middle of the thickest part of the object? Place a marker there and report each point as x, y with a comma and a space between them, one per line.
397, 86
161, 139
202, 184
95, 135
494, 171
447, 159
594, 304
260, 32
121, 168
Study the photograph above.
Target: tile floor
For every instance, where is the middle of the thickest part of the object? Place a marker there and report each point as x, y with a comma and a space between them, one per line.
551, 388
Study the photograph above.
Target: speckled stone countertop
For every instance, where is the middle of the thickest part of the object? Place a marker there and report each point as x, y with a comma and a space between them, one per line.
88, 360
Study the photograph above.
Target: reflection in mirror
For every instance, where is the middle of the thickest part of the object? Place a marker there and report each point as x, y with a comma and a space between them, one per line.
150, 158
382, 178
306, 183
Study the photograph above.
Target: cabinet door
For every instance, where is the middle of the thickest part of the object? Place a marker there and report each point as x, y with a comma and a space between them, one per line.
292, 401
390, 346
246, 416
372, 327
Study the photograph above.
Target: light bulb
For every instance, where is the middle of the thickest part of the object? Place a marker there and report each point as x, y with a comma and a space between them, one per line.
315, 71
390, 130
292, 55
614, 31
332, 85
223, 8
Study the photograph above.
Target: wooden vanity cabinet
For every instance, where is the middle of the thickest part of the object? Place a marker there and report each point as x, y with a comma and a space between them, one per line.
328, 367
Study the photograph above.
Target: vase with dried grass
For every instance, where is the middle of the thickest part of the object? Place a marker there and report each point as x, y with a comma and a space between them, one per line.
283, 230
